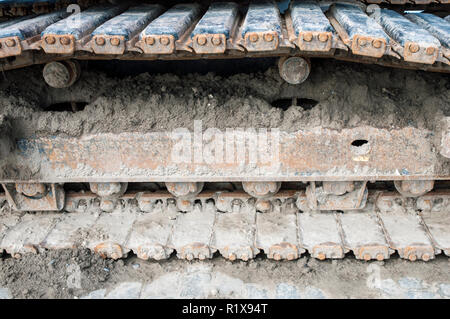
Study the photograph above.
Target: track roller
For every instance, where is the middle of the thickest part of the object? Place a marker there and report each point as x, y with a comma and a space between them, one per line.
413, 188
294, 69
184, 190
61, 74
109, 193
261, 189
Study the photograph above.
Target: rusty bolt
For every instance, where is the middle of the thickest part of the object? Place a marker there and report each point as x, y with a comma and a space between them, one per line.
10, 43
307, 37
64, 40
414, 48
425, 257
263, 205
321, 256
323, 37
268, 37
244, 257
430, 51
31, 189
277, 256
216, 40
380, 257
376, 44
290, 256
50, 39
362, 42
189, 256
150, 40
254, 37
232, 257
164, 40
201, 40
366, 257
115, 41
412, 257
100, 41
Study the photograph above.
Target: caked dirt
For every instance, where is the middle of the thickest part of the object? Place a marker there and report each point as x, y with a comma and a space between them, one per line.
347, 95
336, 95
53, 274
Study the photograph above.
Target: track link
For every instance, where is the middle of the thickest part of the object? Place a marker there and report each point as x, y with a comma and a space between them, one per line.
227, 30
417, 229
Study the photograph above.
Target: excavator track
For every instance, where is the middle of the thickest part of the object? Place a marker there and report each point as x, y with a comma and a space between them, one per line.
346, 31
235, 225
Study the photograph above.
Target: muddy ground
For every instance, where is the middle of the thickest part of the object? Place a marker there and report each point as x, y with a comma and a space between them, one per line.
80, 274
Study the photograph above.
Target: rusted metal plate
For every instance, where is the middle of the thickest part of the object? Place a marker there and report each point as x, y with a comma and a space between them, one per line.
51, 200
150, 234
29, 233
364, 235
276, 231
406, 234
192, 232
70, 231
109, 234
438, 225
234, 233
320, 234
308, 27
306, 155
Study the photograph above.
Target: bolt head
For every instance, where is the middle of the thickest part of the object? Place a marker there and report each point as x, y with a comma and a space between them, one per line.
366, 257
164, 40
115, 41
64, 40
150, 40
100, 41
380, 257
307, 37
232, 257
268, 37
216, 40
277, 256
323, 37
425, 257
290, 256
414, 48
321, 256
362, 42
430, 51
201, 40
412, 257
50, 40
253, 38
10, 43
377, 44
